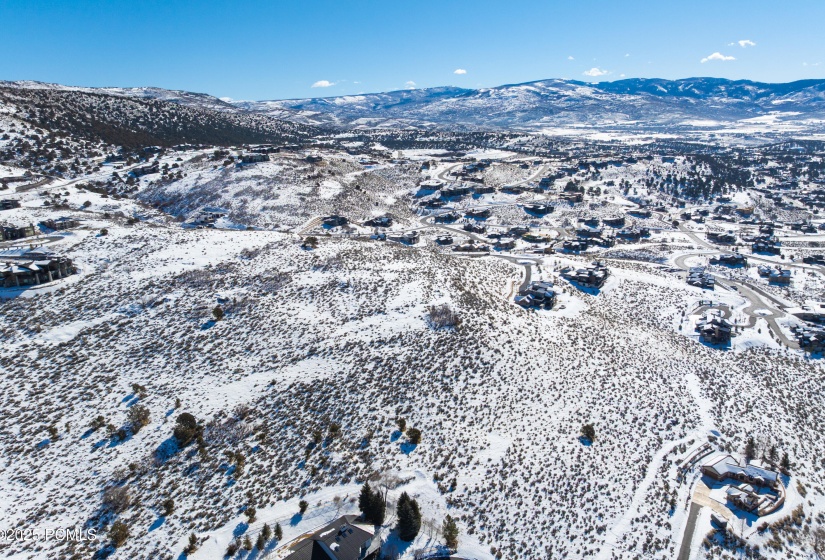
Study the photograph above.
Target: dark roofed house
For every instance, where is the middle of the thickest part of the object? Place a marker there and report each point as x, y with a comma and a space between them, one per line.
33, 268
407, 238
766, 244
537, 294
484, 189
539, 209
721, 237
699, 276
614, 222
8, 204
381, 221
593, 276
144, 170
11, 233
455, 191
505, 243
641, 213
60, 224
478, 213
730, 259
634, 234
474, 228
588, 231
714, 329
574, 246
343, 539
518, 231
780, 276
447, 218
254, 158
810, 339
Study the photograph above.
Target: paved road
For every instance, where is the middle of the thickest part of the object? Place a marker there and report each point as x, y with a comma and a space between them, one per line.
29, 241
526, 263
31, 186
443, 175
684, 550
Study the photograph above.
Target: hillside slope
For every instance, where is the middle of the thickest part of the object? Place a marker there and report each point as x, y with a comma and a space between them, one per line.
133, 121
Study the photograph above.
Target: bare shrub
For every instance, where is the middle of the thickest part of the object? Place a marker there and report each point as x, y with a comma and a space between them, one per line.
117, 499
442, 316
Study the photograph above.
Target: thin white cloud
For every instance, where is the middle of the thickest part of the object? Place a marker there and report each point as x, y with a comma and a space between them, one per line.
717, 56
410, 84
570, 57
459, 71
595, 72
745, 43
323, 83
626, 55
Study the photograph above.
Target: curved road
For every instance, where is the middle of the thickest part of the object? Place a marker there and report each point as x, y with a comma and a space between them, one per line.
748, 291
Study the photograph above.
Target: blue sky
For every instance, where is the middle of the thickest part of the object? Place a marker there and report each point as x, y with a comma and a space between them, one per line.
282, 48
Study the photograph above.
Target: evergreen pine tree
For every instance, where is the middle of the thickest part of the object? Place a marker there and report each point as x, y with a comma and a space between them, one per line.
409, 518
750, 449
786, 462
365, 500
378, 508
450, 532
279, 533
266, 532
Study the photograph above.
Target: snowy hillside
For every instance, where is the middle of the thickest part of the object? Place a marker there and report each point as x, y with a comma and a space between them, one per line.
217, 326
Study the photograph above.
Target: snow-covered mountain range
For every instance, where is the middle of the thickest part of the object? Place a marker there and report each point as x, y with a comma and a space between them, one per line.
549, 103
638, 102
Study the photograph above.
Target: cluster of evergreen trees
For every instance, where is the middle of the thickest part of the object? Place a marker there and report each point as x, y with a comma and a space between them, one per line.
372, 504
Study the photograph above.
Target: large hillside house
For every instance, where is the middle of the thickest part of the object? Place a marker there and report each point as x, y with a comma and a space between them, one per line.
593, 276
343, 539
60, 224
12, 233
754, 489
33, 268
254, 158
714, 329
537, 294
